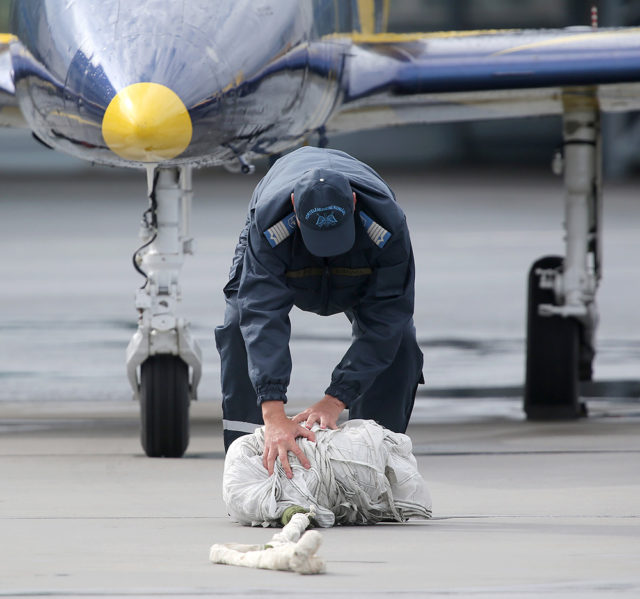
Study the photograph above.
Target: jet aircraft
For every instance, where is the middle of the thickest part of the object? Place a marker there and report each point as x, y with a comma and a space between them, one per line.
168, 86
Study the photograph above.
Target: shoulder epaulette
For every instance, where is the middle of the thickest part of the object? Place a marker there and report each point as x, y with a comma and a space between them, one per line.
281, 230
378, 234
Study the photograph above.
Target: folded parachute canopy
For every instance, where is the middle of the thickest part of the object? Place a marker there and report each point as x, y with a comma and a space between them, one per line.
360, 473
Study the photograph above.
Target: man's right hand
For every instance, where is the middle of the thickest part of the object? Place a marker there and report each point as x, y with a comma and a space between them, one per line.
280, 434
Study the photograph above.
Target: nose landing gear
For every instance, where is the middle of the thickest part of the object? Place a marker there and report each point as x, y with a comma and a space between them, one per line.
163, 359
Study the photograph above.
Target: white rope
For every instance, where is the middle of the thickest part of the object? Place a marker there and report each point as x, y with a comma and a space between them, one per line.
290, 549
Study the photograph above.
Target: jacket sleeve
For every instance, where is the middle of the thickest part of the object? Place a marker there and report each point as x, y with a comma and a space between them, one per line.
384, 311
264, 303
238, 260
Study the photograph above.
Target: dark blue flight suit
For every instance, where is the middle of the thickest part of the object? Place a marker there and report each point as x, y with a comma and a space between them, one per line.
373, 284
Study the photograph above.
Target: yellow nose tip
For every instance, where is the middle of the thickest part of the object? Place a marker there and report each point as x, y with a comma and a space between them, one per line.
147, 122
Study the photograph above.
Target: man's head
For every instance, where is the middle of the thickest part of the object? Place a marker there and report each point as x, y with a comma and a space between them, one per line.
324, 205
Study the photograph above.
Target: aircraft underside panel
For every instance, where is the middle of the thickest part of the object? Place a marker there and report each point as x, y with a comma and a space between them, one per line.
372, 113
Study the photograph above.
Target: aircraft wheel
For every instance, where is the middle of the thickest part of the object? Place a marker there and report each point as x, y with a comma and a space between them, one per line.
553, 354
164, 405
587, 354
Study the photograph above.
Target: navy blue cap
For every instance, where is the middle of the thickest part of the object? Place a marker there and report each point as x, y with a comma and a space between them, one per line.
323, 202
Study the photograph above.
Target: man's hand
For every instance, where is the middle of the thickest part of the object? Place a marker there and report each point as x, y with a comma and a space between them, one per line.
280, 434
326, 412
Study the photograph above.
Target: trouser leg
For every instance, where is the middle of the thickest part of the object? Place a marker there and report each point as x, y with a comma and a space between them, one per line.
240, 412
389, 401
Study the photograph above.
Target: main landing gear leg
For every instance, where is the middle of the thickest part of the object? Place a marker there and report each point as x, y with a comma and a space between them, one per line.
562, 313
163, 359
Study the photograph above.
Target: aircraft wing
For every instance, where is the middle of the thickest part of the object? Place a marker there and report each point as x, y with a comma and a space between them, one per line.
10, 115
396, 79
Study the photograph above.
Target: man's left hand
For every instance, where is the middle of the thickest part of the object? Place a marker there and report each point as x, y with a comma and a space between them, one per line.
325, 412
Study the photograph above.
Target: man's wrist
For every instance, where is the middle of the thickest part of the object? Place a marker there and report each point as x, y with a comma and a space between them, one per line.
272, 410
337, 402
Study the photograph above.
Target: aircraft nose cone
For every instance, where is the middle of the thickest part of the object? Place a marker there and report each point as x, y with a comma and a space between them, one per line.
147, 122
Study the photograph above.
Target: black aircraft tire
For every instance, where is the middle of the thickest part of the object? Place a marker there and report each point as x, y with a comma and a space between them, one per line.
164, 406
553, 350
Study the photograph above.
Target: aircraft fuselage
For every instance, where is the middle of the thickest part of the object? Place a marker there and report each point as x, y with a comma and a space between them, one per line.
242, 71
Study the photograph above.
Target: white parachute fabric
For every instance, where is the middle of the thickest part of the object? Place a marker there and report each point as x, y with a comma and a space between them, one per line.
360, 473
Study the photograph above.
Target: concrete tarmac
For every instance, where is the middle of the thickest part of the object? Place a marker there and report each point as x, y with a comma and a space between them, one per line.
520, 510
